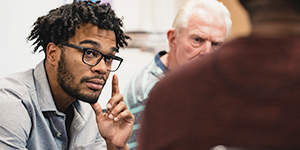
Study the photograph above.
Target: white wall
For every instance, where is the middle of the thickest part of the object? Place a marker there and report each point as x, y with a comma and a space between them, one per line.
17, 18
146, 15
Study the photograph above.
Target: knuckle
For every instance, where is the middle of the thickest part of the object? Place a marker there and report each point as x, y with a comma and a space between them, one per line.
123, 105
121, 96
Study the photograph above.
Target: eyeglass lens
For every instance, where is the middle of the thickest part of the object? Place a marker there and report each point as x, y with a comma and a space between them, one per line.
93, 58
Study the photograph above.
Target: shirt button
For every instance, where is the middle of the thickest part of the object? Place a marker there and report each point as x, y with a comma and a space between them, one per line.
59, 134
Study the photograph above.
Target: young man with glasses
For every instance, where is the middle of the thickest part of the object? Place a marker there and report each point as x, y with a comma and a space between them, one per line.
54, 106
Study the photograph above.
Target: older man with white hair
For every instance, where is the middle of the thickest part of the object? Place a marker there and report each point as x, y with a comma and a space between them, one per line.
200, 27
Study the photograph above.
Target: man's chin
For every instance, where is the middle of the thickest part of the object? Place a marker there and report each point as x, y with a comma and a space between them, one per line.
90, 98
90, 101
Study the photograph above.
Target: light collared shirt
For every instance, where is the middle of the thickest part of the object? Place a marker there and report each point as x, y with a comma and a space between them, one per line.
137, 91
29, 118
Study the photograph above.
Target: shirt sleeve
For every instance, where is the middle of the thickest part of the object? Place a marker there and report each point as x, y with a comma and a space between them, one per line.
15, 122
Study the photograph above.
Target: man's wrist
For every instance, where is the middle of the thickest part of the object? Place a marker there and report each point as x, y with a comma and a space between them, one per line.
126, 147
111, 146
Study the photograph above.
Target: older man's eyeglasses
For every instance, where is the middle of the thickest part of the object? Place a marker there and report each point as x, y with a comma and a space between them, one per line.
92, 57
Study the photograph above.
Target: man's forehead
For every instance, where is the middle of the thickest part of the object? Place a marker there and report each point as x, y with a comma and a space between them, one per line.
215, 33
89, 28
93, 32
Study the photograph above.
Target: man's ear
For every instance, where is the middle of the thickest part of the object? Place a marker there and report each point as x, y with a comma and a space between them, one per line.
171, 35
52, 53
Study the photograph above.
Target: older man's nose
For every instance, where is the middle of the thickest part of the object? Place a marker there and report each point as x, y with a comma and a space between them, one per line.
206, 48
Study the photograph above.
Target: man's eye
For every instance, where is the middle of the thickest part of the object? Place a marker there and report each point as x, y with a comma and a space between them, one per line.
198, 39
215, 44
91, 53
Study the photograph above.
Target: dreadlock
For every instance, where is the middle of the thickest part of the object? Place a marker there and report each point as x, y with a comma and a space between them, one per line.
59, 24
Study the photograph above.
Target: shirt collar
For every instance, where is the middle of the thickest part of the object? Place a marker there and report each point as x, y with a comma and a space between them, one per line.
44, 95
159, 62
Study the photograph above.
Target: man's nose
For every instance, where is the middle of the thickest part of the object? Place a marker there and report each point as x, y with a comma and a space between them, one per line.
101, 67
206, 48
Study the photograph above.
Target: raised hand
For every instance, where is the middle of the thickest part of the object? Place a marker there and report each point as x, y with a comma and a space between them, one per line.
116, 124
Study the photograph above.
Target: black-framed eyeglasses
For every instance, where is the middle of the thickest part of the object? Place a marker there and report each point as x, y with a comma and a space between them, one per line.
92, 57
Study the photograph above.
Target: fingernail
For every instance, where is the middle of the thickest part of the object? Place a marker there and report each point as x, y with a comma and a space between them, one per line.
111, 116
108, 105
116, 119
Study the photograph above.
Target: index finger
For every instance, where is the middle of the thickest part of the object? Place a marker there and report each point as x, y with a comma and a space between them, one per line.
115, 86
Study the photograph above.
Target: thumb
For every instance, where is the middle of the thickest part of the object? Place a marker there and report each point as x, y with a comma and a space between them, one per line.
115, 86
97, 108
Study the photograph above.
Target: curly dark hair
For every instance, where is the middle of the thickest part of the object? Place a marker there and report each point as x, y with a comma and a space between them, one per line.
59, 24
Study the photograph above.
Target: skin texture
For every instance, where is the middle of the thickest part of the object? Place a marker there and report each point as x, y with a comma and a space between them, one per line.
71, 79
205, 33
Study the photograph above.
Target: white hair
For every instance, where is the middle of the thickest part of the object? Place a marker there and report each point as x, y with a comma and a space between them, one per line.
182, 18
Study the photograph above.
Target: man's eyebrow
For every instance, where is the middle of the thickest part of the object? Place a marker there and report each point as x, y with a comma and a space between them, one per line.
200, 36
90, 42
115, 49
97, 44
219, 41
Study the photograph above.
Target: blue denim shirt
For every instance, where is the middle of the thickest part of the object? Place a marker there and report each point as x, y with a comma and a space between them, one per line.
30, 120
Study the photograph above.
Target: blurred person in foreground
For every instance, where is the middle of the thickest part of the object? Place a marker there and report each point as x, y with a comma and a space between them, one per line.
200, 27
54, 106
245, 95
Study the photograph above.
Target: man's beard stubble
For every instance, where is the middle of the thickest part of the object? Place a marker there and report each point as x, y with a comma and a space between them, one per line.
66, 81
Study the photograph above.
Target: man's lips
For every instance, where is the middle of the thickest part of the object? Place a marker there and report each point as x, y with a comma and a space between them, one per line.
95, 84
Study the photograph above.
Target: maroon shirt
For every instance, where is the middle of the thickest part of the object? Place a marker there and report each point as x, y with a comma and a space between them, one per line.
245, 95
